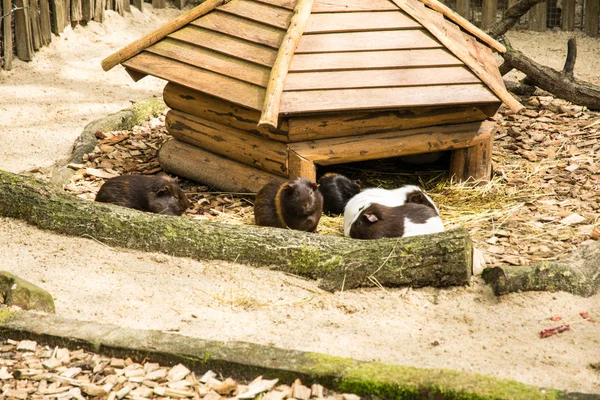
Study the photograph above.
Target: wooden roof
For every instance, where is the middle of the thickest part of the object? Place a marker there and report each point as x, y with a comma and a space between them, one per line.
351, 55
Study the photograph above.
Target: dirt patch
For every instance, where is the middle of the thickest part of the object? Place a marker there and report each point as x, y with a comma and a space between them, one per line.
50, 100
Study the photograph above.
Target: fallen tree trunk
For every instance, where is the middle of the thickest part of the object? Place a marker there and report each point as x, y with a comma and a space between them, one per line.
341, 263
555, 82
578, 274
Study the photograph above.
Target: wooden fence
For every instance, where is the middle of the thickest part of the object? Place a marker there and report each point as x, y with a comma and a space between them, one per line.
28, 25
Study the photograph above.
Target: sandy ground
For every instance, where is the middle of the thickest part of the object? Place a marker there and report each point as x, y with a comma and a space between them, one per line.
46, 103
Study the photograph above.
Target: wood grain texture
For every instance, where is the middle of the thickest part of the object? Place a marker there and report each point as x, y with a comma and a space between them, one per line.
228, 45
147, 40
235, 144
394, 144
226, 88
367, 41
241, 28
373, 59
259, 12
23, 37
353, 5
202, 166
441, 29
465, 24
300, 167
379, 78
289, 4
36, 30
212, 108
270, 110
360, 21
368, 98
7, 36
350, 124
212, 61
473, 162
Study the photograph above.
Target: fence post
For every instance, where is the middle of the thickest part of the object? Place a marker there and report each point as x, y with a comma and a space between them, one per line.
537, 17
568, 15
591, 14
488, 13
7, 46
463, 7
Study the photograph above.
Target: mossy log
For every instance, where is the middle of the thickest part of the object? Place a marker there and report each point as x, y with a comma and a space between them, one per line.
578, 274
434, 260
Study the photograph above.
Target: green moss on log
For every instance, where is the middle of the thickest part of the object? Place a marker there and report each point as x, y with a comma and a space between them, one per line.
438, 260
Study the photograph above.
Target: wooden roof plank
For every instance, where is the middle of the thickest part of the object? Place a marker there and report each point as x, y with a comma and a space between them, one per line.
311, 101
289, 4
212, 61
373, 59
270, 110
259, 12
223, 87
465, 24
379, 78
241, 28
352, 5
364, 41
228, 45
360, 21
424, 16
149, 39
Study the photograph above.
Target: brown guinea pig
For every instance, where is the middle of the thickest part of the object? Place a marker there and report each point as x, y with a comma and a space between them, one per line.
295, 204
378, 221
153, 193
337, 190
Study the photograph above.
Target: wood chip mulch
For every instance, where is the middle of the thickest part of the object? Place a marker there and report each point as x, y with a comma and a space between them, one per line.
542, 203
29, 370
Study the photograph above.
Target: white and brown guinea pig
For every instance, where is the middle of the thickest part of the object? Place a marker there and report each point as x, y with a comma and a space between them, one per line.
391, 198
411, 219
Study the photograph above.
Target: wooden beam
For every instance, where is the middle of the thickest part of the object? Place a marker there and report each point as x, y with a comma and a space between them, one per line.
464, 23
473, 162
148, 40
202, 166
440, 28
300, 167
246, 148
394, 144
270, 109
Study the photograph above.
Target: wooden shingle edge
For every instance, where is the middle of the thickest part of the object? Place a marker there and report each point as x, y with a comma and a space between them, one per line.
441, 28
270, 110
153, 37
465, 24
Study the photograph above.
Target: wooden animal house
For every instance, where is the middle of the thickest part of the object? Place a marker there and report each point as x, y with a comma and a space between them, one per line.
260, 89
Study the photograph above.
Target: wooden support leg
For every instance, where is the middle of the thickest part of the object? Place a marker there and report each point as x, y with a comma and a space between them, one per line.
300, 167
473, 162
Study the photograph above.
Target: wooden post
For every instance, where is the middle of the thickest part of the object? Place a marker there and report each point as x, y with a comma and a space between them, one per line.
488, 13
76, 12
568, 15
45, 25
159, 3
99, 6
537, 17
7, 36
138, 4
179, 3
58, 16
23, 31
36, 34
463, 7
591, 15
270, 109
87, 10
300, 167
473, 162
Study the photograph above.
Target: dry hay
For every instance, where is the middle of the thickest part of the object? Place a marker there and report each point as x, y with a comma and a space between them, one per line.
542, 201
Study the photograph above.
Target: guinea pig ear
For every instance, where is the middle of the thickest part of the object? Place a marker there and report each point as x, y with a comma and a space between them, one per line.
415, 197
357, 182
288, 187
371, 217
165, 190
314, 185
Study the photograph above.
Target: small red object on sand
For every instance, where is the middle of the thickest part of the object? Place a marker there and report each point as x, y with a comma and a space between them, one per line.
556, 318
586, 315
554, 331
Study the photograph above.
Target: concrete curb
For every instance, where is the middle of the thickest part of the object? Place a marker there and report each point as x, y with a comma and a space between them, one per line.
121, 120
246, 361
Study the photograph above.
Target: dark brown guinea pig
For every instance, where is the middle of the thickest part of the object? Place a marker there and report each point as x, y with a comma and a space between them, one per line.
378, 221
295, 204
337, 190
153, 193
